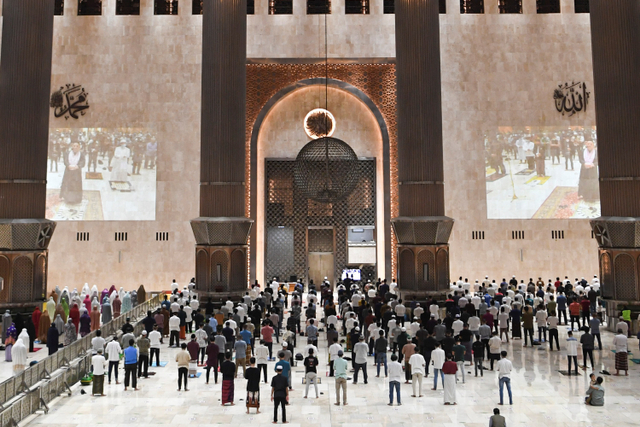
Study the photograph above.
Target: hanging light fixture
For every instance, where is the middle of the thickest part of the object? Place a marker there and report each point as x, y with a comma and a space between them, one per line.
326, 169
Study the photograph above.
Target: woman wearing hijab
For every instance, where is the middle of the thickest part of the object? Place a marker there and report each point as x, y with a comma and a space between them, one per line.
87, 302
52, 339
59, 324
106, 311
12, 334
70, 334
126, 303
74, 315
43, 327
116, 306
60, 312
95, 318
35, 318
85, 323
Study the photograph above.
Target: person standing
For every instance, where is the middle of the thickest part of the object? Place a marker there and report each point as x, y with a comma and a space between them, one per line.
130, 366
144, 344
212, 360
228, 370
311, 372
504, 369
183, 358
395, 377
280, 394
267, 337
497, 420
380, 348
574, 311
202, 337
98, 361
587, 343
572, 352
478, 355
438, 358
552, 321
286, 368
527, 324
174, 331
155, 339
494, 349
418, 366
71, 187
458, 355
594, 324
262, 357
240, 347
620, 346
449, 369
252, 374
113, 351
340, 367
360, 351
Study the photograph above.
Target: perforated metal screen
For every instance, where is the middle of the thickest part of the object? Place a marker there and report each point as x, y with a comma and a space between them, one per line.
288, 215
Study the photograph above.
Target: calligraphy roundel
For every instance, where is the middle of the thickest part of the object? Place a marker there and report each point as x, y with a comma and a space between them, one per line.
70, 101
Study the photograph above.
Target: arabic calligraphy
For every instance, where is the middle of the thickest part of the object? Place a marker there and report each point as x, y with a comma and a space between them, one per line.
571, 98
69, 101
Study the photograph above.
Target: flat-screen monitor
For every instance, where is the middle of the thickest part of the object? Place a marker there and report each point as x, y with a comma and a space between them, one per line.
352, 273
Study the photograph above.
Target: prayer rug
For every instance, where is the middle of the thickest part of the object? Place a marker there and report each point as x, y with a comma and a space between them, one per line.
121, 186
526, 172
628, 353
494, 177
540, 180
565, 373
93, 175
90, 209
636, 361
564, 203
162, 364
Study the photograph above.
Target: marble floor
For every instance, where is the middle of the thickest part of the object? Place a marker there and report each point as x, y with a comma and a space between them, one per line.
541, 396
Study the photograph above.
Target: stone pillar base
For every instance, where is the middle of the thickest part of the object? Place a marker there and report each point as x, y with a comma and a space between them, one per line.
423, 254
24, 260
221, 256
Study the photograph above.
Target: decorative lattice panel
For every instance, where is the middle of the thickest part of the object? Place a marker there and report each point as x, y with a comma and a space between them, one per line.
377, 81
426, 284
443, 269
289, 213
321, 240
222, 259
22, 279
606, 273
407, 276
625, 277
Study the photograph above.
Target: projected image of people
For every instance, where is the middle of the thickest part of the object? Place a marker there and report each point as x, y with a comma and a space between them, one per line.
101, 174
544, 172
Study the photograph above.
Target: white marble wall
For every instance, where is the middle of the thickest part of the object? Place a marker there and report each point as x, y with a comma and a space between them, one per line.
144, 71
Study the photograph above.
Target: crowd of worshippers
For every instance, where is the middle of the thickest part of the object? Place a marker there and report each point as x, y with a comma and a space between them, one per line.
64, 317
367, 320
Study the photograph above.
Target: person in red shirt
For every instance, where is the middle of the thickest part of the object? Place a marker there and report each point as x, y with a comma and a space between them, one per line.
574, 312
488, 319
267, 337
193, 348
586, 311
449, 369
557, 283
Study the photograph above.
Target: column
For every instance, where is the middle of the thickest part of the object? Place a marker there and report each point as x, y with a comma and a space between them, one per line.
615, 29
222, 230
421, 228
25, 84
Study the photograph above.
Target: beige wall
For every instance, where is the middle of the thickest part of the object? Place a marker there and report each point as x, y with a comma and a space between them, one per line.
144, 71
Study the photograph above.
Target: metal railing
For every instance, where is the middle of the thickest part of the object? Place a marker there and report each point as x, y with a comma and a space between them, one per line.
34, 388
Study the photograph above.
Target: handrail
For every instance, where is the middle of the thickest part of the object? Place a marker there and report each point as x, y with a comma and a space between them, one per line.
37, 385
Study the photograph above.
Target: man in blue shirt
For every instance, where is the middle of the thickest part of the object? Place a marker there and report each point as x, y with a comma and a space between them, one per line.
286, 368
130, 365
246, 335
561, 300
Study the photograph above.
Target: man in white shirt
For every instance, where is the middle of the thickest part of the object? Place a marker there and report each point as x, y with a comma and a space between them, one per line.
174, 331
262, 357
395, 377
175, 307
494, 348
437, 360
414, 327
504, 369
474, 325
622, 325
155, 339
417, 312
189, 320
400, 310
99, 364
334, 349
113, 351
620, 346
552, 321
475, 300
97, 343
541, 320
457, 326
418, 366
435, 309
486, 282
